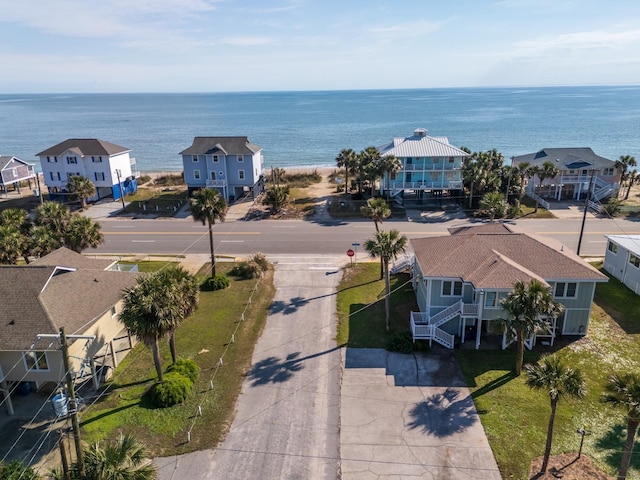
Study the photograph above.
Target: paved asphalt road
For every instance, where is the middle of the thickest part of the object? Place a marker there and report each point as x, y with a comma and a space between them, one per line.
287, 420
174, 236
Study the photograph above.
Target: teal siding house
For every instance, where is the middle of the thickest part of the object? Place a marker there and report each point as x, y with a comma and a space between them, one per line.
460, 280
430, 166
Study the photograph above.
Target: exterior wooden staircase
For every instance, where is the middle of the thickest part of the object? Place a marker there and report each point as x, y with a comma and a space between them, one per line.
424, 327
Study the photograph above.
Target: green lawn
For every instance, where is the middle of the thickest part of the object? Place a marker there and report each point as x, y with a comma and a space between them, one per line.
164, 202
361, 286
514, 417
148, 266
204, 337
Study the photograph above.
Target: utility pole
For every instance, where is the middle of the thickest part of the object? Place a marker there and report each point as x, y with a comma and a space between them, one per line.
72, 400
63, 456
584, 214
39, 189
73, 405
121, 189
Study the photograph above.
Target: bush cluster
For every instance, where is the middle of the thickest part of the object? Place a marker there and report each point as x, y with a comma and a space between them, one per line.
253, 268
177, 384
219, 282
403, 342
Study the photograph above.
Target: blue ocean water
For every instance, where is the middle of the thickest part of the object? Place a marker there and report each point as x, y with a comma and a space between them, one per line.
310, 128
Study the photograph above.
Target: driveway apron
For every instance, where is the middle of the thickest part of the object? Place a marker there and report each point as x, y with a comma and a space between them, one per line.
410, 417
287, 420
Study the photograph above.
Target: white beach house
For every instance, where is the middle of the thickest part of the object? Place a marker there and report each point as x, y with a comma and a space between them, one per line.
107, 165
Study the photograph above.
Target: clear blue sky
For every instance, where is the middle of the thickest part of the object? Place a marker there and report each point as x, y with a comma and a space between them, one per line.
253, 45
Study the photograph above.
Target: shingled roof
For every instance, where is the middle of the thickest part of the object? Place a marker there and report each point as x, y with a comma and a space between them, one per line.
566, 158
84, 147
69, 258
39, 299
493, 256
221, 146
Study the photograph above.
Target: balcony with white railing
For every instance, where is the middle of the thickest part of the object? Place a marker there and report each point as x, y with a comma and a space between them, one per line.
216, 183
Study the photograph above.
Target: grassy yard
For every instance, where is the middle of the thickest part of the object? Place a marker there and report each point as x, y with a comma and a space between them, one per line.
361, 286
148, 266
204, 337
165, 202
514, 417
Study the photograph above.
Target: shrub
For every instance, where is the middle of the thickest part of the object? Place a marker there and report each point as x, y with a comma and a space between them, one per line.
612, 208
144, 179
403, 342
246, 270
400, 342
219, 282
185, 367
17, 471
173, 390
261, 260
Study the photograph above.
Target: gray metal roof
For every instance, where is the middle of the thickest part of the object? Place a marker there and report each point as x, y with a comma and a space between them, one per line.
421, 145
628, 242
222, 146
566, 158
84, 146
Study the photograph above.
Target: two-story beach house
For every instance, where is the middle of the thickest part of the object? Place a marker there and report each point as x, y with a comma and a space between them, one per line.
232, 165
62, 289
460, 280
108, 166
430, 165
13, 171
577, 169
622, 259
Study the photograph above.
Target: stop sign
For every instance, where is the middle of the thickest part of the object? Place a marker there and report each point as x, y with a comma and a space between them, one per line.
350, 253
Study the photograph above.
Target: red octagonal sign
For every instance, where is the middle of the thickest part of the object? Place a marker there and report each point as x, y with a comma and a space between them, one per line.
350, 253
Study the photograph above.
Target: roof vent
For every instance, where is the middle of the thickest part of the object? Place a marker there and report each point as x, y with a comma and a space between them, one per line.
420, 132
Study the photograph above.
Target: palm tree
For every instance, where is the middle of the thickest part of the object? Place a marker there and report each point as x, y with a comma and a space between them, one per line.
525, 172
122, 459
368, 160
276, 197
524, 307
633, 177
53, 215
386, 246
13, 244
472, 173
81, 188
547, 170
208, 206
494, 203
348, 160
623, 390
82, 232
182, 289
43, 241
386, 166
148, 312
623, 165
376, 209
16, 217
550, 375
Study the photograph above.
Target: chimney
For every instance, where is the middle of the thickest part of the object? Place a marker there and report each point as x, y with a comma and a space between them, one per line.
420, 132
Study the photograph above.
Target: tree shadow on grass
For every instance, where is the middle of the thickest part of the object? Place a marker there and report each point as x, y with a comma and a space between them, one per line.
443, 414
492, 385
612, 442
109, 412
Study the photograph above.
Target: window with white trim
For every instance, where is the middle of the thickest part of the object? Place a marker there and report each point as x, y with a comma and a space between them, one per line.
216, 159
240, 158
451, 288
196, 174
54, 175
635, 261
608, 171
99, 175
35, 360
565, 290
612, 247
96, 159
72, 160
195, 158
240, 174
491, 299
52, 160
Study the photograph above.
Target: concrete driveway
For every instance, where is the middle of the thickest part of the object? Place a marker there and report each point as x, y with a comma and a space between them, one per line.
287, 420
410, 416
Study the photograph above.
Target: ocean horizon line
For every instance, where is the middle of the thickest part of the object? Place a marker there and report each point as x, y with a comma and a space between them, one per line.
336, 90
